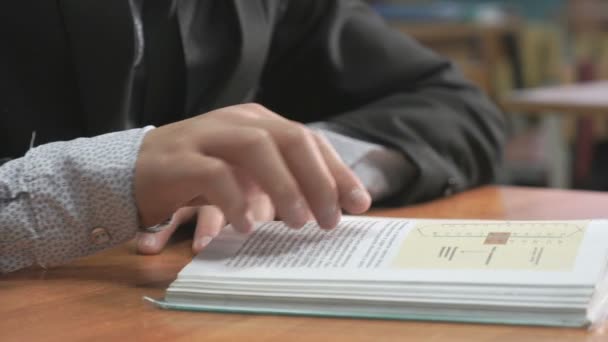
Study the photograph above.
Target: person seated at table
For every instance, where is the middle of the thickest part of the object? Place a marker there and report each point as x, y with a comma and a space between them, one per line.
142, 115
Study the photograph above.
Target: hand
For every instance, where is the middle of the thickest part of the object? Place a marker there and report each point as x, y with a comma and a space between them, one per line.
218, 158
209, 222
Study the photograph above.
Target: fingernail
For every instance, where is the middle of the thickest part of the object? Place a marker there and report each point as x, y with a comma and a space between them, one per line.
298, 214
331, 218
360, 195
149, 240
203, 242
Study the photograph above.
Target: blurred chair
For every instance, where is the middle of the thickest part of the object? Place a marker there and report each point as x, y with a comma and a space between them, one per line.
536, 153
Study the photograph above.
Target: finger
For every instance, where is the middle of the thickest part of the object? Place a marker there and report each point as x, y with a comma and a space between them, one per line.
153, 243
255, 152
250, 111
215, 182
311, 170
354, 198
306, 162
261, 206
209, 222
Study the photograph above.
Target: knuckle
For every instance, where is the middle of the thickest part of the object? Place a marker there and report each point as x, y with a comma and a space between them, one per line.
326, 193
255, 107
296, 134
331, 189
285, 192
256, 137
216, 169
332, 186
320, 139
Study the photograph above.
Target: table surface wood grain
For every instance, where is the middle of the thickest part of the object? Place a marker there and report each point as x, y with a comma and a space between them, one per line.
100, 297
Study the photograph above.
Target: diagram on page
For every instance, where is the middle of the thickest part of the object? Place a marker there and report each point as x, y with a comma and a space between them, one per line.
489, 245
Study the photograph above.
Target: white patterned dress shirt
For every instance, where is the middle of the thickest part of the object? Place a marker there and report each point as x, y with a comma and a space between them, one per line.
65, 200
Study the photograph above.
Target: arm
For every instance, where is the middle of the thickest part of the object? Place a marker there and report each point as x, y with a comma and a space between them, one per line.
345, 66
68, 199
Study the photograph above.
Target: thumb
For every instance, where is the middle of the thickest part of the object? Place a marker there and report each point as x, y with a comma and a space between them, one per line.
153, 243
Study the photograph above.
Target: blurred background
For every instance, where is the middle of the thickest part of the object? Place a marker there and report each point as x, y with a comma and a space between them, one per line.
543, 62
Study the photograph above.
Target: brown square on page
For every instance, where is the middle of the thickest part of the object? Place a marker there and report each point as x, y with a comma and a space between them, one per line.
497, 238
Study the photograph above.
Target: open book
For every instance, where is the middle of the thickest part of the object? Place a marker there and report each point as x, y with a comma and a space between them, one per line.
514, 272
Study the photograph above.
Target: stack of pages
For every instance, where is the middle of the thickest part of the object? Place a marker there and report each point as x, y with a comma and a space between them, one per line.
514, 272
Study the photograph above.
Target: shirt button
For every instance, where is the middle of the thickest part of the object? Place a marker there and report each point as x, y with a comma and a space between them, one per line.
100, 236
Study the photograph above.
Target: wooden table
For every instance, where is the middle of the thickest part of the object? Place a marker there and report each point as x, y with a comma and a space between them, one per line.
573, 99
581, 100
100, 297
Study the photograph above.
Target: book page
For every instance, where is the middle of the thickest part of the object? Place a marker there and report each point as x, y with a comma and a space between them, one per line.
467, 251
355, 244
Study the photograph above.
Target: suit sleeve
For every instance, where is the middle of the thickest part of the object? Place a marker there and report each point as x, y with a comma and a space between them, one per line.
337, 61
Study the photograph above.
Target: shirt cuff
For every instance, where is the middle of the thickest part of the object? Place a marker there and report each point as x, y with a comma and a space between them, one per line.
81, 194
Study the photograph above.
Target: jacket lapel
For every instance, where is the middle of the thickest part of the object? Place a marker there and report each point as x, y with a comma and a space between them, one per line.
107, 47
254, 29
106, 40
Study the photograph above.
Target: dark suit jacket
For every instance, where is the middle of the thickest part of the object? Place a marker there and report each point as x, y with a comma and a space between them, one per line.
72, 68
